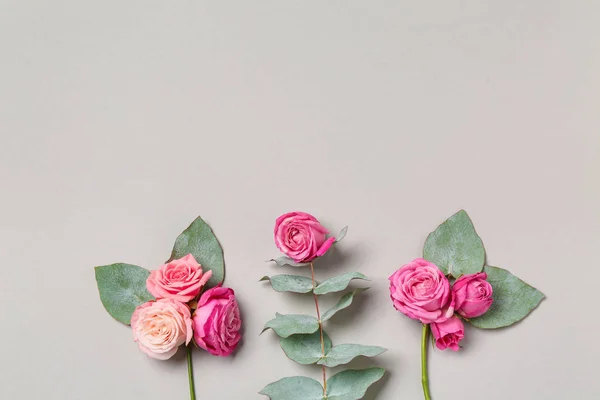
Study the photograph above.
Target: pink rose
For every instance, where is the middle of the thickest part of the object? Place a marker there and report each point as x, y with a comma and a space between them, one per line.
180, 280
217, 321
472, 295
421, 291
301, 237
160, 327
448, 334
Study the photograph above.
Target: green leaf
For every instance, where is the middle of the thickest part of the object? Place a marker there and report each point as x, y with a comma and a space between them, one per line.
344, 302
294, 388
200, 241
292, 324
344, 353
122, 288
352, 384
338, 283
513, 300
341, 235
285, 261
290, 283
455, 247
305, 349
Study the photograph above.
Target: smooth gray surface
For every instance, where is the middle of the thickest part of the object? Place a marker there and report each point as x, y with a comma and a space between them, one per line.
121, 121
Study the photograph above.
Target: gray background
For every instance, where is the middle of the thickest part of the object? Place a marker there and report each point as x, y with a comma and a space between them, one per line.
121, 121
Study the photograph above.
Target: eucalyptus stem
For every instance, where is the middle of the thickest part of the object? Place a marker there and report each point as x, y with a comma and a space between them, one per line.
190, 372
314, 284
424, 375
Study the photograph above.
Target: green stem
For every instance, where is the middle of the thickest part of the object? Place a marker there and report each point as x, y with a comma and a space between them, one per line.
323, 370
190, 372
424, 376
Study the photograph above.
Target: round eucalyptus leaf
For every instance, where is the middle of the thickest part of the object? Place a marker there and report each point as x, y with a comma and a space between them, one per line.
200, 241
294, 388
305, 349
285, 261
290, 283
352, 384
344, 353
338, 283
513, 300
344, 302
455, 247
122, 288
292, 324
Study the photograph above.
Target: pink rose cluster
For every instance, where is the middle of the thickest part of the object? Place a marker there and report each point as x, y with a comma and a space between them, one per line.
301, 237
422, 292
181, 312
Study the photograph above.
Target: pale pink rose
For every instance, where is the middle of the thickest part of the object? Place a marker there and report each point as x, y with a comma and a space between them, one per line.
301, 237
217, 321
180, 280
421, 291
472, 295
160, 327
448, 334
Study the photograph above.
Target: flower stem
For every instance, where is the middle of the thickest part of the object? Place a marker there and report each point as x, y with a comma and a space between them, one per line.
190, 372
424, 376
312, 271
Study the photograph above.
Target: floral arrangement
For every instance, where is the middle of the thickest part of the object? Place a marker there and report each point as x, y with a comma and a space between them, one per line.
303, 240
179, 303
452, 284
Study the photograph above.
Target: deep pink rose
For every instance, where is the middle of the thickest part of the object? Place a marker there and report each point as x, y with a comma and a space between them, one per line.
448, 334
180, 280
160, 327
301, 237
421, 291
472, 295
217, 322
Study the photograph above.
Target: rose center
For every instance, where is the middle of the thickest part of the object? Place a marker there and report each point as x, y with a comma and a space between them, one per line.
423, 287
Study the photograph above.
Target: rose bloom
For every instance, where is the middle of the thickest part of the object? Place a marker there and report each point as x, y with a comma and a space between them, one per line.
180, 280
472, 295
301, 237
160, 327
217, 322
421, 291
448, 334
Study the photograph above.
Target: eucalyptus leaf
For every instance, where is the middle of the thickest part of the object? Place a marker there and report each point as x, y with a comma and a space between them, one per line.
290, 283
122, 288
513, 300
352, 384
344, 302
455, 247
341, 235
200, 241
305, 349
338, 283
285, 261
344, 353
294, 388
292, 324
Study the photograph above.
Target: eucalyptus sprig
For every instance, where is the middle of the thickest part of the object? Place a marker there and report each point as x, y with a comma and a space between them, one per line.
303, 337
